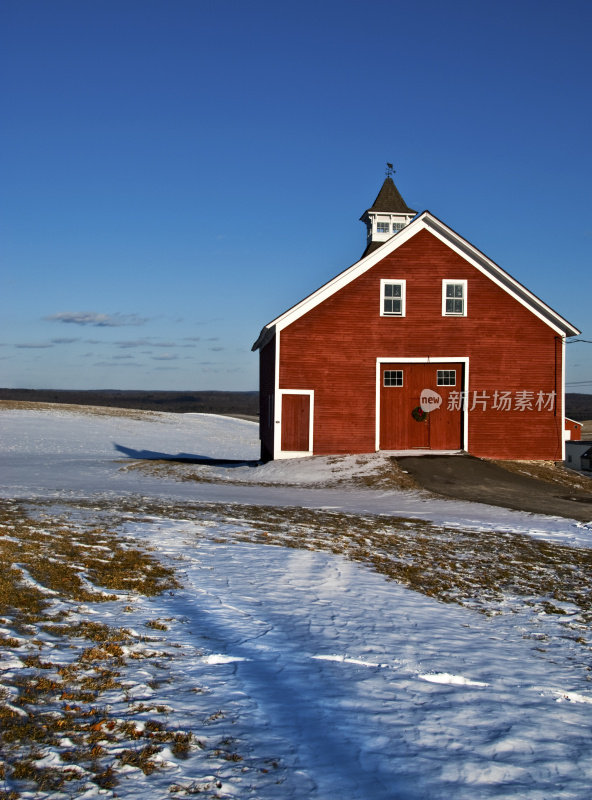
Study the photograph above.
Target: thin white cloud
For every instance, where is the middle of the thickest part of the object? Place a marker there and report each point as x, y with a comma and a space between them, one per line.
65, 340
115, 364
146, 342
133, 343
96, 319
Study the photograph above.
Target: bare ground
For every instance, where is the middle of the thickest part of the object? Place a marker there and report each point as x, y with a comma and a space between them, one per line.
587, 429
538, 487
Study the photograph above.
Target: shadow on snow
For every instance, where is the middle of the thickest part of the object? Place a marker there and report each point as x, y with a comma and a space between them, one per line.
182, 458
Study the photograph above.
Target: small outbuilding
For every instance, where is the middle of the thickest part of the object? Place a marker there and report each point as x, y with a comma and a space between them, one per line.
573, 430
424, 343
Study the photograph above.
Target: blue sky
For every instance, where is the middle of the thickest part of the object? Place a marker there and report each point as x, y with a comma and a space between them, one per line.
174, 174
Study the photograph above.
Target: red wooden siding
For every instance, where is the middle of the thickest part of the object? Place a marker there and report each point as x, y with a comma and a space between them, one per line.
333, 348
295, 422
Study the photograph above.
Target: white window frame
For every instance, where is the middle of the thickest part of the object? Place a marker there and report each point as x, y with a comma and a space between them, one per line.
393, 385
445, 379
389, 281
445, 283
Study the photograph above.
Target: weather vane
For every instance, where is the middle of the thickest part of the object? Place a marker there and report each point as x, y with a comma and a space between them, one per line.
389, 169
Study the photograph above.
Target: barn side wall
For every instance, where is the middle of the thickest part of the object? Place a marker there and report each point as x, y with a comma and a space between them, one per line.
266, 399
333, 348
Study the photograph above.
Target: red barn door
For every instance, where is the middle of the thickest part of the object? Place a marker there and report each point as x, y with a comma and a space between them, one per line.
295, 422
401, 387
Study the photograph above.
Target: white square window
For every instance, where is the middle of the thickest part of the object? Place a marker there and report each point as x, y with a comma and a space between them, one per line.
398, 226
393, 377
382, 227
392, 298
446, 377
454, 298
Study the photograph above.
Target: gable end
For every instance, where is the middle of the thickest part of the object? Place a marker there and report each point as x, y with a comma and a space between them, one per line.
499, 276
430, 223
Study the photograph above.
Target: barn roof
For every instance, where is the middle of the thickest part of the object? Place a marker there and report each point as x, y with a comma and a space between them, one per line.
389, 200
423, 221
371, 247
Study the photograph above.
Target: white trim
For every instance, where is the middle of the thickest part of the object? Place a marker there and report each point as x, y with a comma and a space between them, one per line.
445, 282
424, 360
575, 421
499, 276
424, 221
278, 452
391, 218
402, 282
562, 398
334, 285
277, 430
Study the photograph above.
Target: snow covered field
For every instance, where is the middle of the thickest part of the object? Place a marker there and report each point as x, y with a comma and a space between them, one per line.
302, 673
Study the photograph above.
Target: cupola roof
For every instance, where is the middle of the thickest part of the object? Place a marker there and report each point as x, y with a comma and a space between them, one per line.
389, 200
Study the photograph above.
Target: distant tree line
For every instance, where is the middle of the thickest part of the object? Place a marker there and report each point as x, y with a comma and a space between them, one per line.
578, 406
208, 402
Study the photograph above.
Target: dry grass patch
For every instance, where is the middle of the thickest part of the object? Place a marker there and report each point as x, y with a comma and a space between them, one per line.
549, 472
384, 473
488, 571
95, 631
73, 408
474, 568
390, 475
587, 429
47, 568
42, 557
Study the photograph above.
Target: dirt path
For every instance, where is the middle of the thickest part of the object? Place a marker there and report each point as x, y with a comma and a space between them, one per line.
469, 478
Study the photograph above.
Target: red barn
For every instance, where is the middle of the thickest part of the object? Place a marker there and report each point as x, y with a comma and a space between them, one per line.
573, 430
425, 343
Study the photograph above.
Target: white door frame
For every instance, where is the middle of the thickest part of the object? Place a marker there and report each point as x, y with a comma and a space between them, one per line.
425, 360
279, 453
